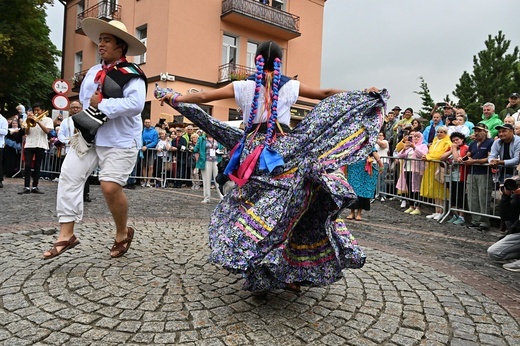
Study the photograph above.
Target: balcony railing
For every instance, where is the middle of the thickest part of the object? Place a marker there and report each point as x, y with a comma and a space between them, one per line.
263, 13
232, 72
106, 10
77, 79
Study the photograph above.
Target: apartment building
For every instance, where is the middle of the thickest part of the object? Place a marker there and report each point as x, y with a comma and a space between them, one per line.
195, 45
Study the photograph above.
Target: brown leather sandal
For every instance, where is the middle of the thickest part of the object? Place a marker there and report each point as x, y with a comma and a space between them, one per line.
120, 247
65, 244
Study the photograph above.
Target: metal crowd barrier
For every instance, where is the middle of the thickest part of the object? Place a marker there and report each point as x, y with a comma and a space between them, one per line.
459, 196
163, 169
175, 169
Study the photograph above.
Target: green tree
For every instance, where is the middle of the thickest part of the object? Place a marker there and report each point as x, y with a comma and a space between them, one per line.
427, 100
496, 74
27, 55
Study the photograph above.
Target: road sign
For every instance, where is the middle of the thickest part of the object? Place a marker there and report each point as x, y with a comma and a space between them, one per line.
60, 86
60, 102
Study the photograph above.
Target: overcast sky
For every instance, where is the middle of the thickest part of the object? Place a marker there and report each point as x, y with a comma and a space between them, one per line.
390, 43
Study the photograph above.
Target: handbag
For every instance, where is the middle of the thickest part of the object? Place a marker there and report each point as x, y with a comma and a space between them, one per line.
87, 123
440, 174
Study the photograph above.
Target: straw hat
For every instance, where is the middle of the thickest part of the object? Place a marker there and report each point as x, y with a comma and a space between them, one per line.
93, 27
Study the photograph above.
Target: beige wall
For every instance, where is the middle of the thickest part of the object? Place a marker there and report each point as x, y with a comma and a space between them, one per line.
185, 40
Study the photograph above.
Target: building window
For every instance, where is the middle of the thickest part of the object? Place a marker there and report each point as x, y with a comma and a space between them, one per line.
81, 7
251, 50
78, 62
278, 4
234, 114
206, 108
229, 50
142, 34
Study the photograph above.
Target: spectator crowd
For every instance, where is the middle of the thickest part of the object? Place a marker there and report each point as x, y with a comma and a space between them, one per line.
445, 160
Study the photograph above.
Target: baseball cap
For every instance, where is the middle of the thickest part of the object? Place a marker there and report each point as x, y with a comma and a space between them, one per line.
481, 126
514, 96
505, 127
396, 108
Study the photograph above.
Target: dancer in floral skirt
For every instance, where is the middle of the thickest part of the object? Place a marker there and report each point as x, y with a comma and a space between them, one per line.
279, 227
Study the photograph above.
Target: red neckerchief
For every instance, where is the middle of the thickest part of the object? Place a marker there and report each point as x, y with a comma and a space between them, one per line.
100, 76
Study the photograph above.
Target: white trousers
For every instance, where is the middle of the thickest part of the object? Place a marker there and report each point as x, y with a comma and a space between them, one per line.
210, 171
115, 166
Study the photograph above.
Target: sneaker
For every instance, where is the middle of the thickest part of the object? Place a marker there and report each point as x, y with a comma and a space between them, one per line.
437, 217
56, 180
86, 198
403, 204
147, 185
459, 221
25, 191
36, 190
433, 216
409, 210
453, 219
382, 199
513, 266
204, 201
415, 212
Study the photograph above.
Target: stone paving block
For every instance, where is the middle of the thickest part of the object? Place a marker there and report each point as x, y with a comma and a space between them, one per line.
187, 294
459, 334
128, 326
85, 318
463, 342
119, 338
56, 339
210, 342
153, 327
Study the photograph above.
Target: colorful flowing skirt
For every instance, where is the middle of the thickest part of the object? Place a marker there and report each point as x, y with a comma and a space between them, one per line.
284, 228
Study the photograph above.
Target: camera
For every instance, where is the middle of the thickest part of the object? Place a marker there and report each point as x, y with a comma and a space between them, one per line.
465, 158
513, 183
409, 138
441, 104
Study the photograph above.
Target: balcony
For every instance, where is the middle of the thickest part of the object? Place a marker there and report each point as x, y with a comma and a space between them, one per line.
232, 72
77, 79
105, 10
255, 15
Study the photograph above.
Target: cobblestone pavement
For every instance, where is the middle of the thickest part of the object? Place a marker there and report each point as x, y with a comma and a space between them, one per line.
424, 283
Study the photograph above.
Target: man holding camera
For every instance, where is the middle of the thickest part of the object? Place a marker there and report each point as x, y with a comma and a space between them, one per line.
508, 248
505, 151
512, 107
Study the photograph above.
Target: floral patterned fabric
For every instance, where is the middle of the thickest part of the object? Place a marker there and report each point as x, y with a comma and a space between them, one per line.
283, 228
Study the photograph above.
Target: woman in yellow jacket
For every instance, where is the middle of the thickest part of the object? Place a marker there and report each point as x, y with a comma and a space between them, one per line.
430, 187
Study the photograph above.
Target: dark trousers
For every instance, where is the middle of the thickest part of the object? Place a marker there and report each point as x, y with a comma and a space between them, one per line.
1, 164
29, 154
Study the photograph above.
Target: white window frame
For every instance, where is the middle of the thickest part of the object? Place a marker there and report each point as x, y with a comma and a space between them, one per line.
229, 51
250, 62
280, 4
141, 59
78, 62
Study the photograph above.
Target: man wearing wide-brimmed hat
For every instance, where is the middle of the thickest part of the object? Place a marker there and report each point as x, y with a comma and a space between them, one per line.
113, 94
